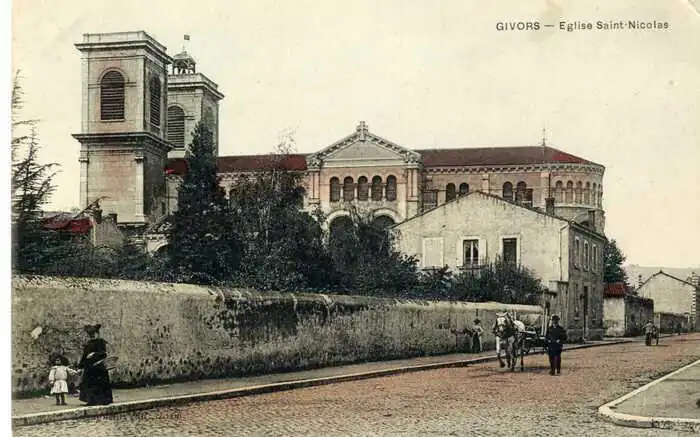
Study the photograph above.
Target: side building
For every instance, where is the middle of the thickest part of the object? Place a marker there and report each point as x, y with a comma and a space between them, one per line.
475, 229
673, 296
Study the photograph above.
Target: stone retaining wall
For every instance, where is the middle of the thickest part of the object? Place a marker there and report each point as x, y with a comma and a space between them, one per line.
175, 332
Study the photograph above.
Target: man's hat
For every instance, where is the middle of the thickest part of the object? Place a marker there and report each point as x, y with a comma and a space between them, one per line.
477, 321
555, 317
92, 329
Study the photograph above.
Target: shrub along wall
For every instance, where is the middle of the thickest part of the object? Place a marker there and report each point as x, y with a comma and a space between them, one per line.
174, 332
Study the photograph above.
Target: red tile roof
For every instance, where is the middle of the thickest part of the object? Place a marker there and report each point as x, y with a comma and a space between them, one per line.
473, 156
616, 289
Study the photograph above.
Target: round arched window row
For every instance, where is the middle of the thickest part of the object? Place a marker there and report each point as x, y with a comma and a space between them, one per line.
391, 188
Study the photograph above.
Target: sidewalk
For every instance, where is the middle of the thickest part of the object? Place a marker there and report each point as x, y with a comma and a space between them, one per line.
42, 410
668, 403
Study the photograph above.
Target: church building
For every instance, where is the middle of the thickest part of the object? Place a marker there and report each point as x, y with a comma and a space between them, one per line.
140, 106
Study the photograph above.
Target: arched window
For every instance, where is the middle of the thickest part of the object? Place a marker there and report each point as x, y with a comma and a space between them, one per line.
450, 192
377, 188
391, 188
348, 189
569, 192
176, 126
559, 192
587, 194
362, 188
600, 195
155, 101
579, 192
463, 189
112, 96
335, 189
520, 191
508, 191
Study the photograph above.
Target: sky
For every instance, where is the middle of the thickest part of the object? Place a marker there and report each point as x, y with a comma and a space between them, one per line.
423, 75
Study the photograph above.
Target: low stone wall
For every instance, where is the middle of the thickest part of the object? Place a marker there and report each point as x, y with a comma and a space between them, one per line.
175, 332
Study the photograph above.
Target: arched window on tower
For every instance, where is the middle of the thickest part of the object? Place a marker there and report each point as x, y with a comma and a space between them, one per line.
154, 88
176, 126
450, 192
391, 188
600, 196
362, 188
376, 188
569, 192
559, 192
112, 96
463, 189
508, 191
348, 189
579, 192
335, 190
587, 194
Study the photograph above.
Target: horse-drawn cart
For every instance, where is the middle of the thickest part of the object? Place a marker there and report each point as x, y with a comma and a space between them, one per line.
534, 341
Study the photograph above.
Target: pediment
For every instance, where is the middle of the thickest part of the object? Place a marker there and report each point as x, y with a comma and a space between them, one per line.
362, 148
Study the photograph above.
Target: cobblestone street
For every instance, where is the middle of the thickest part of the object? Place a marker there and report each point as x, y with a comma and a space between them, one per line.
480, 400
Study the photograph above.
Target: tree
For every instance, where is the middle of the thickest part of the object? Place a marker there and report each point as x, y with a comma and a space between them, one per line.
613, 259
32, 185
366, 262
205, 246
499, 282
283, 246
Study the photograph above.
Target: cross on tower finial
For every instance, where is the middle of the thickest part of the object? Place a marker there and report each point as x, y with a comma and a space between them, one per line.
362, 129
184, 42
544, 135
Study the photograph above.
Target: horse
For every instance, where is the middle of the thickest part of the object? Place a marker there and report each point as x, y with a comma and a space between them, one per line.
512, 332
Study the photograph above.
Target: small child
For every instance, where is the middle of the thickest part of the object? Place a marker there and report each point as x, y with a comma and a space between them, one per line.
58, 378
478, 333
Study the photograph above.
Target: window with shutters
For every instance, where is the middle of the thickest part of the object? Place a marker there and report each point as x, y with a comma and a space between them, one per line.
432, 253
112, 96
176, 126
471, 253
155, 101
463, 189
510, 251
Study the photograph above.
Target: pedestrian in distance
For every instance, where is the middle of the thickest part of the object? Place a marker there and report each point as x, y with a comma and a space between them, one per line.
477, 335
58, 379
555, 338
649, 332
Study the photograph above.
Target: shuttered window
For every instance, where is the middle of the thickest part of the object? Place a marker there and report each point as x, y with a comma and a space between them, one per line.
112, 96
155, 101
176, 126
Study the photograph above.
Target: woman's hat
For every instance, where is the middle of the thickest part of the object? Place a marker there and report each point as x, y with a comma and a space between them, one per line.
477, 321
92, 329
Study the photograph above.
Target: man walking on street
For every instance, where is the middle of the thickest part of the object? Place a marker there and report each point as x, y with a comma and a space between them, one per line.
555, 338
649, 330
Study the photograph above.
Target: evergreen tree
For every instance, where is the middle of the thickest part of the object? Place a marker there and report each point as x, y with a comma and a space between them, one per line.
32, 185
613, 259
205, 247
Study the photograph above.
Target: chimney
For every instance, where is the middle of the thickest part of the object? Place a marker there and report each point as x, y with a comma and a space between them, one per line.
549, 205
591, 218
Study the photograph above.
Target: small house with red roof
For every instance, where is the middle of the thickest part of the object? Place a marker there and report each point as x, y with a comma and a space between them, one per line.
624, 313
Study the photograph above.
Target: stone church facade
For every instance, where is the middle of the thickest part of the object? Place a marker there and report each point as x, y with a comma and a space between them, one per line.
140, 105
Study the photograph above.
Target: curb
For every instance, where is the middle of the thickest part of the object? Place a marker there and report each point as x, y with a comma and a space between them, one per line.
632, 421
126, 407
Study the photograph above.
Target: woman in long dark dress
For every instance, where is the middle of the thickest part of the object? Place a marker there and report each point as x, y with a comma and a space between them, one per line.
95, 388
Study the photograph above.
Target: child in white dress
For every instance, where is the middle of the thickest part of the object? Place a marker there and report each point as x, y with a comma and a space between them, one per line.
58, 379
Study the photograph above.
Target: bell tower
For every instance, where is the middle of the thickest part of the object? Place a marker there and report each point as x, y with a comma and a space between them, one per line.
192, 97
123, 140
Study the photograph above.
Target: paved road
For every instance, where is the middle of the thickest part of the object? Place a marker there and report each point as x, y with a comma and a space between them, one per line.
480, 400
